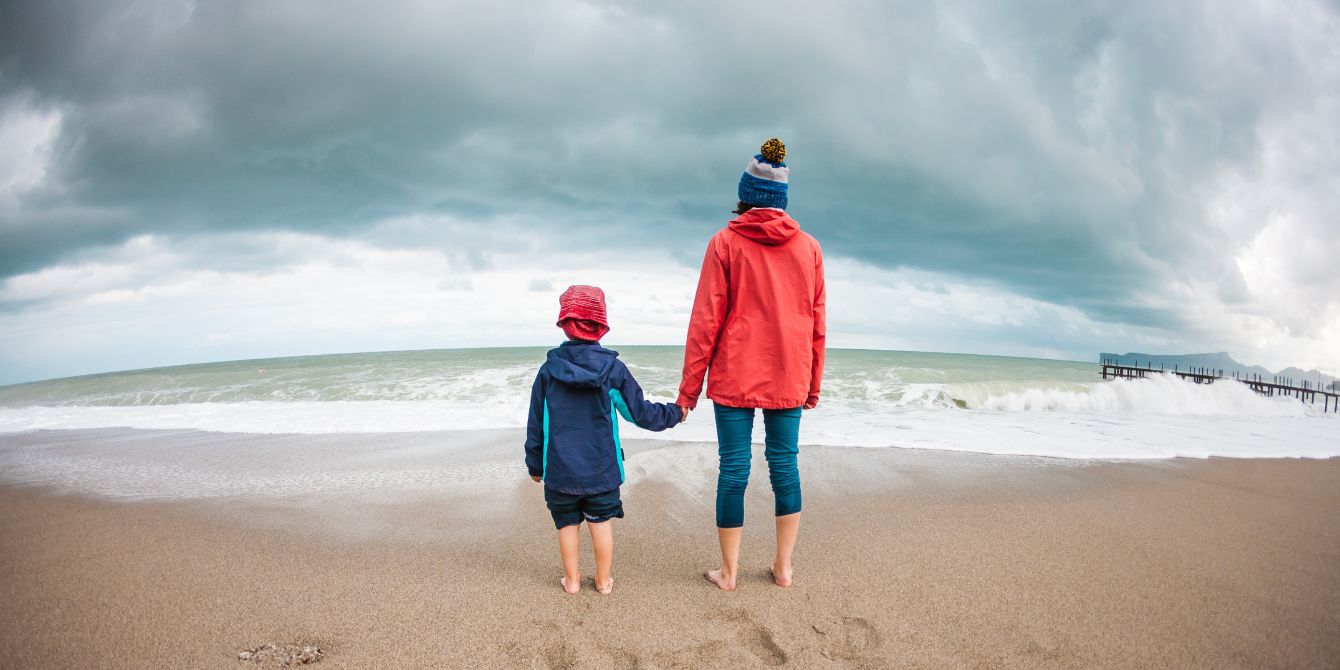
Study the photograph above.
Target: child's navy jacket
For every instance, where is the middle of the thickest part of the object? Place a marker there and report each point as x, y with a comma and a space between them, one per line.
572, 438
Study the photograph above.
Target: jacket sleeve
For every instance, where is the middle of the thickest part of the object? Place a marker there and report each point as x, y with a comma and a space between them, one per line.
820, 328
646, 414
709, 313
535, 429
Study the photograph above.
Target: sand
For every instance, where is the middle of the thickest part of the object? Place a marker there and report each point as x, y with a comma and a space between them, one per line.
907, 558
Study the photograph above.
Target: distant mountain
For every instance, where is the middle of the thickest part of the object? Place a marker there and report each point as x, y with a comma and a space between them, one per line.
1217, 361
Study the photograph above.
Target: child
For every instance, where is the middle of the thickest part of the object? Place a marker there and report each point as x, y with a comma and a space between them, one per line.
572, 439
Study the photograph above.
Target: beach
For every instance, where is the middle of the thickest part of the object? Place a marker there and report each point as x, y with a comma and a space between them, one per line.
307, 309
435, 550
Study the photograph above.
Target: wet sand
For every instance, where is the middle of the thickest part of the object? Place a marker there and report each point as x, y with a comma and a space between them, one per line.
907, 559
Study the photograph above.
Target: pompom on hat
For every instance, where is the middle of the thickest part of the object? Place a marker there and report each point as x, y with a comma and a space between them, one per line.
763, 183
581, 313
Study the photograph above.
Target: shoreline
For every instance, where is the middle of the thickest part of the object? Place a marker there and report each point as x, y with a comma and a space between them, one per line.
906, 558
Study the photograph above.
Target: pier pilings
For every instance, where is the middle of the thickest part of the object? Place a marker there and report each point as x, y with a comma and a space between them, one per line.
1305, 391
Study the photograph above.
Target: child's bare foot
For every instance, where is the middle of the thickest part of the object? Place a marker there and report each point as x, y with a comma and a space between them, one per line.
781, 578
576, 585
722, 582
606, 588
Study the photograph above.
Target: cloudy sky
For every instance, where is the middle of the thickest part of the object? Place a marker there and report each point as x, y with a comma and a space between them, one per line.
195, 181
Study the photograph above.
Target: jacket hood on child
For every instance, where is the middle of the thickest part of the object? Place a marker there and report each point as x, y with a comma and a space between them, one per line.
582, 367
765, 225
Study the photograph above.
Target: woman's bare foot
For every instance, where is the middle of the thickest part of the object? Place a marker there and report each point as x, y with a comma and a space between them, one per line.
607, 588
781, 578
563, 582
722, 582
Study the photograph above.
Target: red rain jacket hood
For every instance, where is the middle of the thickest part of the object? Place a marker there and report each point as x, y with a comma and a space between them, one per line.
757, 329
765, 225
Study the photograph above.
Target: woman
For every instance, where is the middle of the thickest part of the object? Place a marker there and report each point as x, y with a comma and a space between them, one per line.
757, 330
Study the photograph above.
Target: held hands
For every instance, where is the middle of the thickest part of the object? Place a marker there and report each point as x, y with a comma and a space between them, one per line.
683, 413
536, 478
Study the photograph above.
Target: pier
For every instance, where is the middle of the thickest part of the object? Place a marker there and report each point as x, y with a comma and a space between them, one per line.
1275, 386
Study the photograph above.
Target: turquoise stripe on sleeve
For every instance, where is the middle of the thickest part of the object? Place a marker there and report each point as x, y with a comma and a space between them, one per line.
621, 406
617, 405
544, 458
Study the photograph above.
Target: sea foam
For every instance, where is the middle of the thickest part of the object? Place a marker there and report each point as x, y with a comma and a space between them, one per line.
1159, 394
871, 399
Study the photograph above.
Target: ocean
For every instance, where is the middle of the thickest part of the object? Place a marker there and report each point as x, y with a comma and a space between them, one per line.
871, 399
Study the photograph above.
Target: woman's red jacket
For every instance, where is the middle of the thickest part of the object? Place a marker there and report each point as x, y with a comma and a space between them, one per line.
757, 328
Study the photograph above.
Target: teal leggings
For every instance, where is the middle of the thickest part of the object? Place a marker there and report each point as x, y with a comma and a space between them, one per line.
735, 427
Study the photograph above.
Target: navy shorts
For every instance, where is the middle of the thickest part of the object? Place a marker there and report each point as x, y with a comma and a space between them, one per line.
568, 509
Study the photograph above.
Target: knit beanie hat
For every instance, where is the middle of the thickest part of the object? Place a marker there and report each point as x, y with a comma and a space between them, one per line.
763, 183
581, 313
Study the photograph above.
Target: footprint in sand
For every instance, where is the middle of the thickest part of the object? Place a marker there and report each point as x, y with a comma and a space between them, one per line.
756, 638
560, 656
705, 655
848, 638
548, 655
759, 641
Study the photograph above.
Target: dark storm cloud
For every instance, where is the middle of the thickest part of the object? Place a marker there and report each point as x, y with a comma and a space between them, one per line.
1059, 149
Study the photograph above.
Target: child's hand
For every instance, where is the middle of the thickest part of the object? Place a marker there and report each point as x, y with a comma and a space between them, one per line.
536, 478
683, 413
